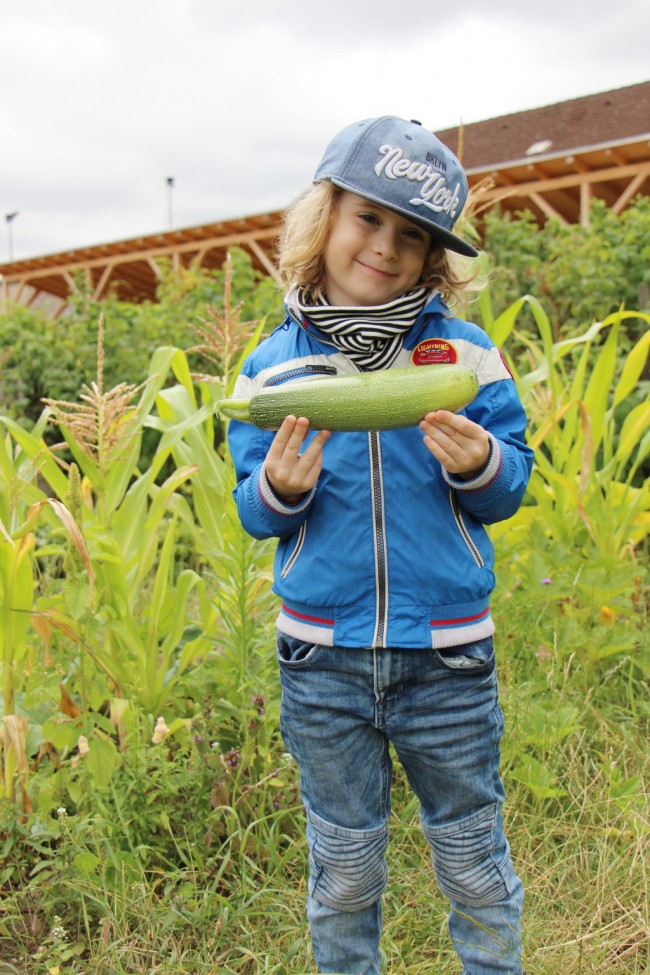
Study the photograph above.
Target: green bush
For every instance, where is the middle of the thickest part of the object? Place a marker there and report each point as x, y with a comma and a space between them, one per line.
41, 357
581, 274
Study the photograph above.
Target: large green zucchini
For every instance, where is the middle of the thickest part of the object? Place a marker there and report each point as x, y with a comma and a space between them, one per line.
383, 400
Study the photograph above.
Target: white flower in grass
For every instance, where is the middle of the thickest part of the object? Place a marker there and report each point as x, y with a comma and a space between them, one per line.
58, 932
160, 732
83, 746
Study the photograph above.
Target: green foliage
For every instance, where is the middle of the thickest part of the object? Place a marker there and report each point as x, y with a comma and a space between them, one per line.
148, 815
40, 357
588, 423
581, 274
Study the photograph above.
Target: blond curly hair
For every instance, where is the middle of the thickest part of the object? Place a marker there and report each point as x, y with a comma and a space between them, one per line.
304, 234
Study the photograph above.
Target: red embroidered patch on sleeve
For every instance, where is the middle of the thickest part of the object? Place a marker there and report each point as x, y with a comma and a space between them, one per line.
433, 352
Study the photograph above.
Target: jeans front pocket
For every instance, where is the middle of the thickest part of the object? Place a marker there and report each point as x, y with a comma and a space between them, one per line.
470, 658
295, 653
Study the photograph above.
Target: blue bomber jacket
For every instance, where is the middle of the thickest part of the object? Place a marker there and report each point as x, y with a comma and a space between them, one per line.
388, 549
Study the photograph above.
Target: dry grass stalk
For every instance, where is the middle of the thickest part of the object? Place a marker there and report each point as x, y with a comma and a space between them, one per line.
224, 333
477, 200
100, 422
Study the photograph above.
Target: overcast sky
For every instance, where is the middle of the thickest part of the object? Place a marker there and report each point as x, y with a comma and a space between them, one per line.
236, 99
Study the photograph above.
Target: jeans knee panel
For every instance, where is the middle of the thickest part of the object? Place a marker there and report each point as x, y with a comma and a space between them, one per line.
471, 859
348, 866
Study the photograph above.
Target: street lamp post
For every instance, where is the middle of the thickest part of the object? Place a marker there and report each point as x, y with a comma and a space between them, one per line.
10, 217
170, 187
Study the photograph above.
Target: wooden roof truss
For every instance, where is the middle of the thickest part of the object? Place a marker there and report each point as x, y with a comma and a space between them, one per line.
131, 269
561, 186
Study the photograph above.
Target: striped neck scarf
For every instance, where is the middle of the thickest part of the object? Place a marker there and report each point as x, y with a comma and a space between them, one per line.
370, 335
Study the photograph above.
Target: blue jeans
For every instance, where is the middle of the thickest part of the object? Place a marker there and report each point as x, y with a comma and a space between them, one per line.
340, 709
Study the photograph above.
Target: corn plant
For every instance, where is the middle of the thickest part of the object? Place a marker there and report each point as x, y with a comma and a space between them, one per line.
237, 570
113, 614
589, 434
17, 588
124, 612
570, 562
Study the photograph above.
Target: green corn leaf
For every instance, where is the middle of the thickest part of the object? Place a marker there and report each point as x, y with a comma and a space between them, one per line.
86, 464
502, 326
598, 390
641, 454
181, 370
16, 602
35, 448
128, 521
120, 474
177, 620
487, 313
155, 610
177, 425
163, 495
633, 367
635, 425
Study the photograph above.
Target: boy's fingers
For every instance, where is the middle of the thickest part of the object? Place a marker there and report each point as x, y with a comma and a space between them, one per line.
288, 438
284, 432
297, 435
288, 469
452, 425
440, 434
314, 450
445, 420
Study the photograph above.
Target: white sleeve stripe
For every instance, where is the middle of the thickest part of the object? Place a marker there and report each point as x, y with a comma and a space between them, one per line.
486, 363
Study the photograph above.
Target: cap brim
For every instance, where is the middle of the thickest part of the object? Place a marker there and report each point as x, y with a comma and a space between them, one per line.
447, 239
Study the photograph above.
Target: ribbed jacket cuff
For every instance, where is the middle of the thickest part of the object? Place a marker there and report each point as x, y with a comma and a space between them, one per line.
271, 500
487, 476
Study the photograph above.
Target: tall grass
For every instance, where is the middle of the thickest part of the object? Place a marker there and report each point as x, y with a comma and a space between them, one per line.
151, 820
584, 863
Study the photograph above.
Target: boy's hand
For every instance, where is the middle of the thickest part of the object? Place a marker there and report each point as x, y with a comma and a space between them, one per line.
461, 446
290, 473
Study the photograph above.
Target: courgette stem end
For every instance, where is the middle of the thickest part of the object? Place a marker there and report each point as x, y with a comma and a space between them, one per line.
234, 409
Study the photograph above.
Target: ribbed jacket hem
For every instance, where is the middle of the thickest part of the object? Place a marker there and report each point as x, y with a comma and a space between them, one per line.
315, 626
455, 636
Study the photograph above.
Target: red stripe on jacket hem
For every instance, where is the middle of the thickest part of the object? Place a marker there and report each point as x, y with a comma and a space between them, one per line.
461, 619
310, 619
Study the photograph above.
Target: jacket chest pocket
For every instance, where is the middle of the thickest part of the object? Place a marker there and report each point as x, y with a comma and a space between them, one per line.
294, 552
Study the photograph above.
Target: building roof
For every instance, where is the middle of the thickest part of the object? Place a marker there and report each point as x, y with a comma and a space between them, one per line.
552, 161
130, 268
611, 117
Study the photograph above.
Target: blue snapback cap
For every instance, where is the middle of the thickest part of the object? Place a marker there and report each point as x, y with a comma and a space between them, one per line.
404, 167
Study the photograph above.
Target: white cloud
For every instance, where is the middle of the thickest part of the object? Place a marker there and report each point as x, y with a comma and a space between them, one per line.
237, 101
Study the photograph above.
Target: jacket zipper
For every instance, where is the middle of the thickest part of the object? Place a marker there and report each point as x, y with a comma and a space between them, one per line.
289, 564
381, 562
301, 371
462, 527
